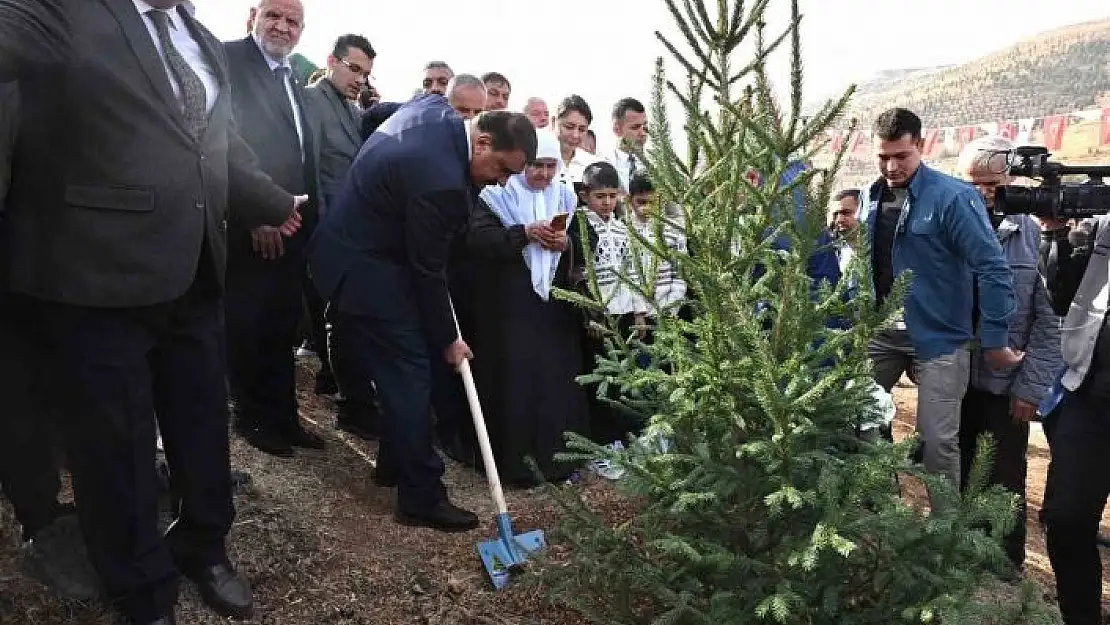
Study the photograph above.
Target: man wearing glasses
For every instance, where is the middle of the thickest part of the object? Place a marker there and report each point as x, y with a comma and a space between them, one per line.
331, 104
337, 126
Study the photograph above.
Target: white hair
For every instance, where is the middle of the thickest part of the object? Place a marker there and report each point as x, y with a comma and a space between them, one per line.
984, 155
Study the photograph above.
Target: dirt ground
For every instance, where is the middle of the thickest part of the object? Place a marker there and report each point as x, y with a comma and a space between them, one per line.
317, 541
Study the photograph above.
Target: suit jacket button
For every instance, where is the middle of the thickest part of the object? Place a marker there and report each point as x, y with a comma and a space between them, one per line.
200, 206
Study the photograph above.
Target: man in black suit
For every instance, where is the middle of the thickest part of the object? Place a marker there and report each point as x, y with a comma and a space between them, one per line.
53, 549
379, 256
331, 105
119, 240
264, 269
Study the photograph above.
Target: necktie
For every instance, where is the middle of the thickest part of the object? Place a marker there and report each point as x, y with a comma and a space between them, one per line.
192, 88
282, 74
631, 166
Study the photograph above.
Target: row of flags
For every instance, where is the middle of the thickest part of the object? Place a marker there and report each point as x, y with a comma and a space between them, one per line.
1049, 131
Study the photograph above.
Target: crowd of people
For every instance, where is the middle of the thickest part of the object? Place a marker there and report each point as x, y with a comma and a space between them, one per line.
213, 214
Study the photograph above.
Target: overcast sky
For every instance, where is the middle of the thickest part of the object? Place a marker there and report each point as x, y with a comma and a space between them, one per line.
605, 49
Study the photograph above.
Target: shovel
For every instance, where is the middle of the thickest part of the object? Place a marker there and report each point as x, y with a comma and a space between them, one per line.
507, 553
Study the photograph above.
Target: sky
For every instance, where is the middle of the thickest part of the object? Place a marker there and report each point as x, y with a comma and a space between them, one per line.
604, 50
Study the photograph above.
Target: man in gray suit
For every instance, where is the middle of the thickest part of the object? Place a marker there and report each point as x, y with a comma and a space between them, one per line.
336, 120
118, 240
331, 102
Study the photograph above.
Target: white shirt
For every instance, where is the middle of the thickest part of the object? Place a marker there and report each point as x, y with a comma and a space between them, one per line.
469, 140
621, 160
274, 64
572, 172
188, 47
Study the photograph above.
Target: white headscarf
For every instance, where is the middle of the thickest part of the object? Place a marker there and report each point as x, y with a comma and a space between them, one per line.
517, 204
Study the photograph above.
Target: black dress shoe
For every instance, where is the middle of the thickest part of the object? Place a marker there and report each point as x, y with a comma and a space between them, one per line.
267, 440
298, 436
55, 555
223, 590
444, 516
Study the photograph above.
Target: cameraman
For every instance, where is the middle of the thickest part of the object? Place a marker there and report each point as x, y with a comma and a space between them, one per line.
1076, 264
1002, 403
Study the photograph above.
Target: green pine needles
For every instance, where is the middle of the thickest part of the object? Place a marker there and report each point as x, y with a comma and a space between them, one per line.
764, 506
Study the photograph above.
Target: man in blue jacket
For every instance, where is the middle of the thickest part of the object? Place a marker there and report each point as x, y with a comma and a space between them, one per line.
936, 227
379, 256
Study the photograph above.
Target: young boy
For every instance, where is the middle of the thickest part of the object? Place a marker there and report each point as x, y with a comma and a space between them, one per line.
600, 193
609, 246
670, 289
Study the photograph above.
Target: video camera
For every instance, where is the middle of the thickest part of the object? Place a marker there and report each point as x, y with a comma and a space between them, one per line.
1053, 199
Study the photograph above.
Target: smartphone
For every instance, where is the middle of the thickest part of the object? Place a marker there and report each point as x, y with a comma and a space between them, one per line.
559, 222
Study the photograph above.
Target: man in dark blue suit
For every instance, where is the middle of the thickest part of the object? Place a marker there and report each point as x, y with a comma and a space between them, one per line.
379, 255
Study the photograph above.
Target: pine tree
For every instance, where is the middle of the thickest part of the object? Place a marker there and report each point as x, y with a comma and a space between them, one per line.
765, 506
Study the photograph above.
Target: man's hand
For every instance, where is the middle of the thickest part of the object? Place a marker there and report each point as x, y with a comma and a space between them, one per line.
293, 224
267, 241
457, 352
1022, 410
1002, 359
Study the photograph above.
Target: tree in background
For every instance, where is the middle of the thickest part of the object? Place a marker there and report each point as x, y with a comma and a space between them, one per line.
764, 505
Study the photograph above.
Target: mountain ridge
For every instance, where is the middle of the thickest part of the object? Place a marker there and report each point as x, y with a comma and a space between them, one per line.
1057, 71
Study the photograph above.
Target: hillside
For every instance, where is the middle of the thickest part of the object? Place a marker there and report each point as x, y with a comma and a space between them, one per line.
1059, 71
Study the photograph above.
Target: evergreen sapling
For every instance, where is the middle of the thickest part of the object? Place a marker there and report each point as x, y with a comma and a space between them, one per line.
764, 505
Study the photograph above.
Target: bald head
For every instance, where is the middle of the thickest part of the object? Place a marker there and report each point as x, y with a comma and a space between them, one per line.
536, 110
467, 95
278, 25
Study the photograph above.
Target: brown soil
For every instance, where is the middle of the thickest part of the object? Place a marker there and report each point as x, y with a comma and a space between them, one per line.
318, 543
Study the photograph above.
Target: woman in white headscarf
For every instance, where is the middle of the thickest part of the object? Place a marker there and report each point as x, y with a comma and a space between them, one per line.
527, 343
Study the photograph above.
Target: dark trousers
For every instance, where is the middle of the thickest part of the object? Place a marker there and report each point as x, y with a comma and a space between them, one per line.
609, 421
987, 413
454, 427
453, 422
314, 319
1075, 495
28, 473
115, 370
393, 353
264, 308
358, 397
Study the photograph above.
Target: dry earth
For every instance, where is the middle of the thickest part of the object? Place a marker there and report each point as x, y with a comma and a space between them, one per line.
317, 541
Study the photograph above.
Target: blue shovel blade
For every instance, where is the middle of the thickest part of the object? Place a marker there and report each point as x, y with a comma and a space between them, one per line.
501, 557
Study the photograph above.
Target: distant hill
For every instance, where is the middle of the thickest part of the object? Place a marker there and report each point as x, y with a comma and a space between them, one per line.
880, 83
1059, 71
